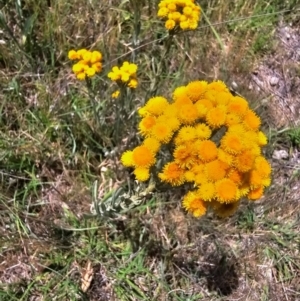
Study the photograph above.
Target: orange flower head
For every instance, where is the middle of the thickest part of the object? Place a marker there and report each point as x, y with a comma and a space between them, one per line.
238, 105
180, 92
251, 121
226, 191
244, 161
162, 132
255, 179
156, 105
235, 176
189, 176
152, 144
196, 90
185, 135
172, 174
188, 114
256, 193
211, 96
184, 156
207, 150
201, 109
143, 157
232, 143
172, 121
206, 103
218, 86
206, 191
237, 129
146, 125
232, 119
263, 166
223, 98
202, 131
193, 204
216, 117
215, 170
182, 100
225, 157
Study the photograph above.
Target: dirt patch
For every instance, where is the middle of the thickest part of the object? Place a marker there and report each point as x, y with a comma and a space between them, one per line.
277, 78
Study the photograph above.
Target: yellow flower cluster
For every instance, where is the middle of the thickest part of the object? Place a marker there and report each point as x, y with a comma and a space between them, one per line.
125, 74
89, 63
183, 13
216, 144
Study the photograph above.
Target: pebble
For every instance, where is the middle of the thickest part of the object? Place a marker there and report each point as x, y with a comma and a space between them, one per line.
280, 154
234, 85
274, 81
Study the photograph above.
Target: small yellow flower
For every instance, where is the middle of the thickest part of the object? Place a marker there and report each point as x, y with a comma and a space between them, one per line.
132, 69
172, 7
185, 135
244, 161
97, 67
133, 83
81, 53
90, 72
114, 76
187, 11
96, 57
86, 57
162, 12
125, 77
115, 94
78, 68
170, 24
81, 75
72, 55
184, 25
125, 74
262, 139
88, 63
